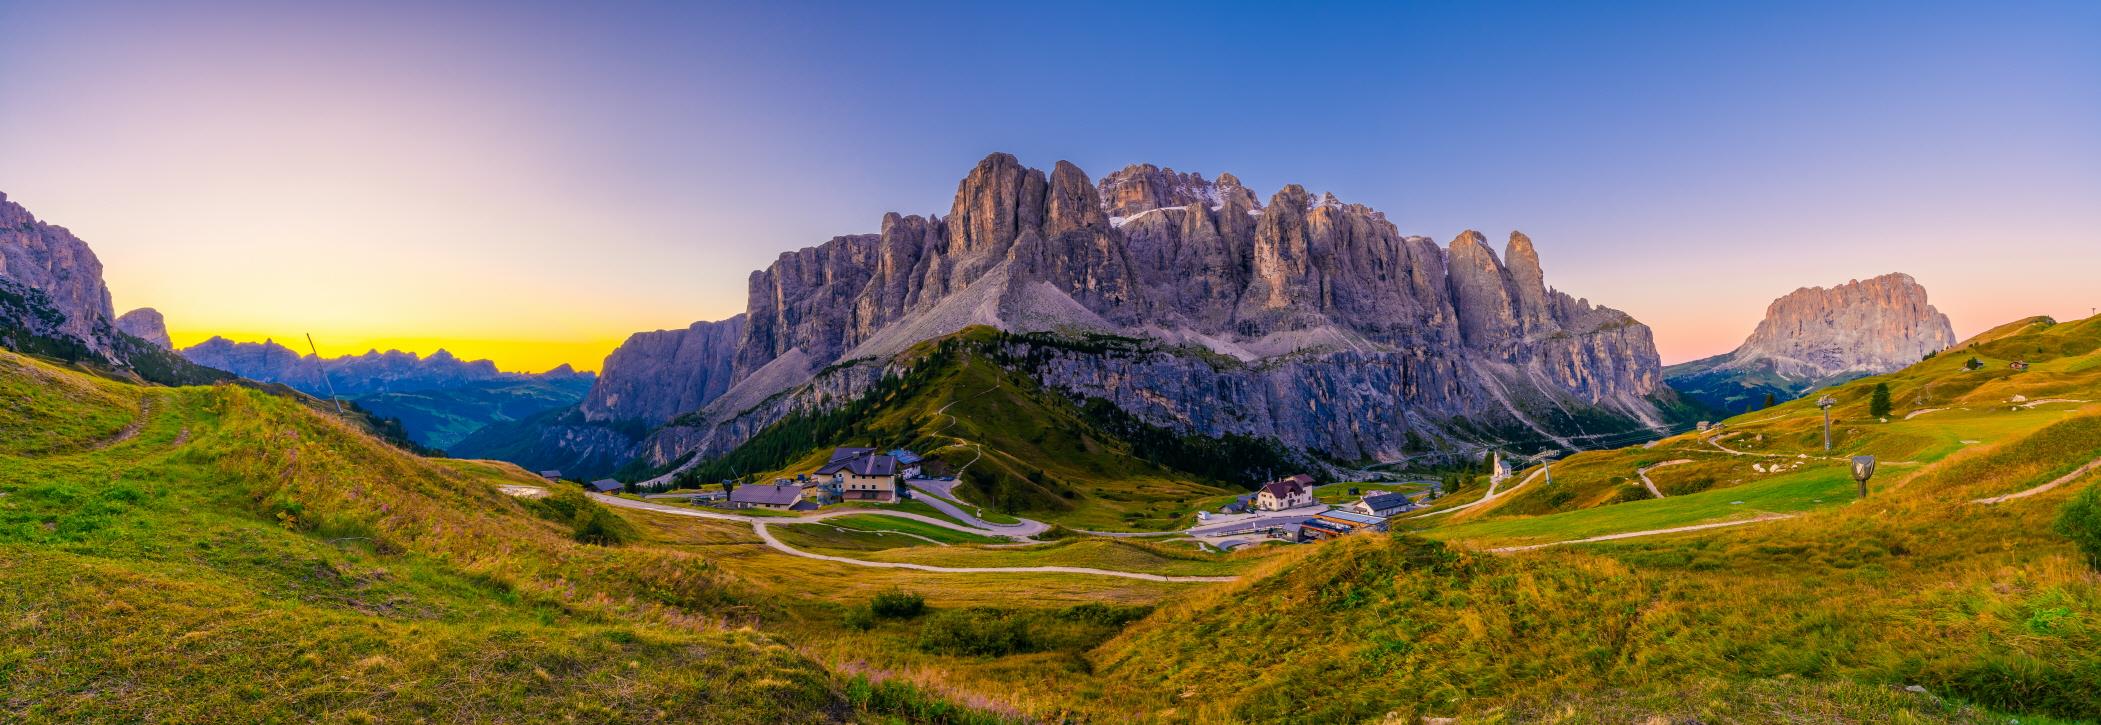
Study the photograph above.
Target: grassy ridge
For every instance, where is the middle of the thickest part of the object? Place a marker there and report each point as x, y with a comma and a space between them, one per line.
230, 555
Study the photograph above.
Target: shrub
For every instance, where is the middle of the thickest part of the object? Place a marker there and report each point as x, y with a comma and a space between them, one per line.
897, 604
2080, 521
860, 618
982, 632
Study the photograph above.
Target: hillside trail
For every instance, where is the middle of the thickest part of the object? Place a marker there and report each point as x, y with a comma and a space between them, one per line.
1643, 472
1650, 532
760, 527
130, 430
2061, 480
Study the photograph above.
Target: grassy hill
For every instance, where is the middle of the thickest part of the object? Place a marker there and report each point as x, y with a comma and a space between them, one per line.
1018, 447
223, 554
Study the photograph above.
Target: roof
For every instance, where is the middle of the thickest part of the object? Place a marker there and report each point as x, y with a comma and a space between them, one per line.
605, 485
1284, 487
767, 493
1352, 517
1386, 500
842, 457
550, 474
1326, 526
904, 456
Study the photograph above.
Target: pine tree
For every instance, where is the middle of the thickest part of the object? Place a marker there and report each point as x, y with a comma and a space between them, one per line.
1878, 403
1769, 400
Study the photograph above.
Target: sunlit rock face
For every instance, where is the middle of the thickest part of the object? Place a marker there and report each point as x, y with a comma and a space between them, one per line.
1814, 337
1307, 319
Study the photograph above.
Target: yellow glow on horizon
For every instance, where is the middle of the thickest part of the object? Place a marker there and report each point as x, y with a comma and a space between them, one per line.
529, 356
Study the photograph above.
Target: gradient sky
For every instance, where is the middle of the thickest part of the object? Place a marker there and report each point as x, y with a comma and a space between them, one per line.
533, 181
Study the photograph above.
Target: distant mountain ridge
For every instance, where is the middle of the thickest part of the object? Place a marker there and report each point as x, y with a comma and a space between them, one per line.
439, 399
1816, 337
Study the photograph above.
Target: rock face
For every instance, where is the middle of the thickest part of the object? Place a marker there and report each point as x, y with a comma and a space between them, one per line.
146, 324
657, 375
1308, 319
1816, 337
47, 258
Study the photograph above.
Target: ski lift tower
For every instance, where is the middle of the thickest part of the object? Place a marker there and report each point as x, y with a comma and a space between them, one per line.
1826, 402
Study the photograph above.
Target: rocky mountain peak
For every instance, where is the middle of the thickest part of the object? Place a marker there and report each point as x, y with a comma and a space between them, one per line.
1868, 326
48, 258
1141, 188
146, 324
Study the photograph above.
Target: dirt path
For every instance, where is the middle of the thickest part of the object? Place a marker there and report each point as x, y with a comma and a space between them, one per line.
1651, 532
130, 430
2062, 480
1643, 472
760, 526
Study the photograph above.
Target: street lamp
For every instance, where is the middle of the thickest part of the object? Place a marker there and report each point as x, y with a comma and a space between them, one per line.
1826, 402
1863, 469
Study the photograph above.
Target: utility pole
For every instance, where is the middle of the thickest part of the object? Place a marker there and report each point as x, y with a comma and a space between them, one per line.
322, 366
1826, 402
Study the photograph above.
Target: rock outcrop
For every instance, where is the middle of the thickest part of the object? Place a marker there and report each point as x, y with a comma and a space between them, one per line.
146, 324
48, 258
1342, 334
655, 376
1815, 337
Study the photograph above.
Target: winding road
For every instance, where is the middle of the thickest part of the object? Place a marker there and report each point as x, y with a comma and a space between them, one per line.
760, 526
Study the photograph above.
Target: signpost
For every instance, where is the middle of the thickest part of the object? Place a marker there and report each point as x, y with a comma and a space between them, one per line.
1826, 402
1863, 469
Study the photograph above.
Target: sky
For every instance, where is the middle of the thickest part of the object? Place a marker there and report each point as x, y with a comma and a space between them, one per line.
532, 182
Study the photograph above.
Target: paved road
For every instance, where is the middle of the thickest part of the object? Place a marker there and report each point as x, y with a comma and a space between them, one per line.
1026, 527
1651, 532
760, 526
1278, 518
1492, 495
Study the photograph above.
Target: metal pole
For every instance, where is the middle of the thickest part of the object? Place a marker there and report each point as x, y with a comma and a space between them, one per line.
1827, 429
322, 366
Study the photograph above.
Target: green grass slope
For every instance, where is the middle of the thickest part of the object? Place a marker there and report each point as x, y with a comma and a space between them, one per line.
1020, 448
222, 554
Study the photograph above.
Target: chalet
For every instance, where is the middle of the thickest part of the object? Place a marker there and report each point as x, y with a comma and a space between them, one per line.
1240, 505
605, 485
2018, 365
551, 475
907, 463
779, 497
1285, 493
862, 474
1383, 504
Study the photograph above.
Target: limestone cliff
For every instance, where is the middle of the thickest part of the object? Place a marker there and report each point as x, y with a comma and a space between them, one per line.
1306, 319
1815, 337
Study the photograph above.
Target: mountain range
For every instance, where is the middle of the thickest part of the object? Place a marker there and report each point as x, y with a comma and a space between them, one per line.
1305, 319
439, 399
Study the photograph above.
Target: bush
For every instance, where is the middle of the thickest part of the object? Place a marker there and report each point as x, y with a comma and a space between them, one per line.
588, 521
860, 618
896, 604
981, 632
2080, 521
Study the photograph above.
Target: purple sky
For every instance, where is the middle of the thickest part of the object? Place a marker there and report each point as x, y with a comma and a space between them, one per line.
531, 182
